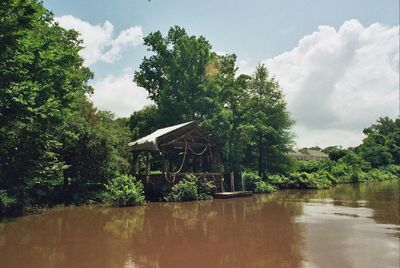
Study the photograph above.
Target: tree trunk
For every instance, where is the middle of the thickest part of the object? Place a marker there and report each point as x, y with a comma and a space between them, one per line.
260, 156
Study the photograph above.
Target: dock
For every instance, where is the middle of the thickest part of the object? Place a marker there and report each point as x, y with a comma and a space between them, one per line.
224, 195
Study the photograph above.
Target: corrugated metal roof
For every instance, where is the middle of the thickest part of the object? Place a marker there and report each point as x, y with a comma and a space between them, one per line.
149, 142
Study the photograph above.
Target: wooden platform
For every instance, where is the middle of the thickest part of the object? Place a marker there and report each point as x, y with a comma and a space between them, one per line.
232, 194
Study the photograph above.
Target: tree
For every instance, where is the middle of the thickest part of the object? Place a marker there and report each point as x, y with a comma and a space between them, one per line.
335, 152
144, 121
41, 74
268, 123
94, 145
226, 121
175, 75
382, 143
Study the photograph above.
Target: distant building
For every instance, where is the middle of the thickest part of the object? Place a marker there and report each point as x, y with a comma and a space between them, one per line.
309, 155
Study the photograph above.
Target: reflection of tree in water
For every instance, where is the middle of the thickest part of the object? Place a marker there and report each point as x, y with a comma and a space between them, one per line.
126, 222
66, 237
382, 197
191, 214
248, 232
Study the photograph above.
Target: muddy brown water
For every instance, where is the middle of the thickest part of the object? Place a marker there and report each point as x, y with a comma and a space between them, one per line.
346, 226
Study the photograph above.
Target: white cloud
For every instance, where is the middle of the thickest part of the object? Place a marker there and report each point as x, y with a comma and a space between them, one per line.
119, 94
338, 82
98, 39
245, 66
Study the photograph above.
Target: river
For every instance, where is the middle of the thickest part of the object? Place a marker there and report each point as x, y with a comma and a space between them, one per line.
346, 226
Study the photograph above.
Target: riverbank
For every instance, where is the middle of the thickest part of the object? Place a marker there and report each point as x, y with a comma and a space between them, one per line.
317, 177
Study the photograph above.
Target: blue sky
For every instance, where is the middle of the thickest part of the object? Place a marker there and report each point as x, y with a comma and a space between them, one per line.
298, 40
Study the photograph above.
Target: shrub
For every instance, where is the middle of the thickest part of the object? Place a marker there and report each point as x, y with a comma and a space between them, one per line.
125, 190
341, 173
263, 187
278, 181
358, 176
185, 190
253, 182
309, 166
249, 180
191, 188
380, 175
6, 202
322, 180
393, 169
205, 188
303, 180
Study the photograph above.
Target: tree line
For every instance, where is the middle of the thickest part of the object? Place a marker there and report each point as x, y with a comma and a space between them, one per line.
57, 147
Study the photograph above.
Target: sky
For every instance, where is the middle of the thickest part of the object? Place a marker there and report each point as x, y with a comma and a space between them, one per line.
336, 61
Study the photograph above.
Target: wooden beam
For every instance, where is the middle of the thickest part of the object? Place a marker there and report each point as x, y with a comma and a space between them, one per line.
181, 145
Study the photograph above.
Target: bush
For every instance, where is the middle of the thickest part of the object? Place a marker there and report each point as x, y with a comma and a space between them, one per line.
344, 173
6, 202
309, 166
125, 190
191, 188
358, 176
380, 175
249, 180
205, 189
185, 190
393, 169
263, 187
303, 180
253, 182
278, 181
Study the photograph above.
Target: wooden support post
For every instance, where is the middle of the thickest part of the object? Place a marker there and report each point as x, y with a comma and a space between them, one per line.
164, 164
234, 211
148, 165
242, 183
232, 182
135, 159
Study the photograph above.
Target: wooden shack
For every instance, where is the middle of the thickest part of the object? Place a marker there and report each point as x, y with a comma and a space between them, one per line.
177, 150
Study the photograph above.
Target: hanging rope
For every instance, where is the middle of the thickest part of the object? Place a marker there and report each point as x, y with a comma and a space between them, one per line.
195, 153
180, 168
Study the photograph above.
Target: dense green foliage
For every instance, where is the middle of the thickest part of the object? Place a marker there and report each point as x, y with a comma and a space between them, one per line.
253, 182
174, 75
55, 146
382, 145
125, 191
191, 188
41, 74
373, 160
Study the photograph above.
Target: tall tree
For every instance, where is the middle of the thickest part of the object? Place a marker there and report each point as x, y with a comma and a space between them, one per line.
41, 74
226, 121
268, 123
174, 75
